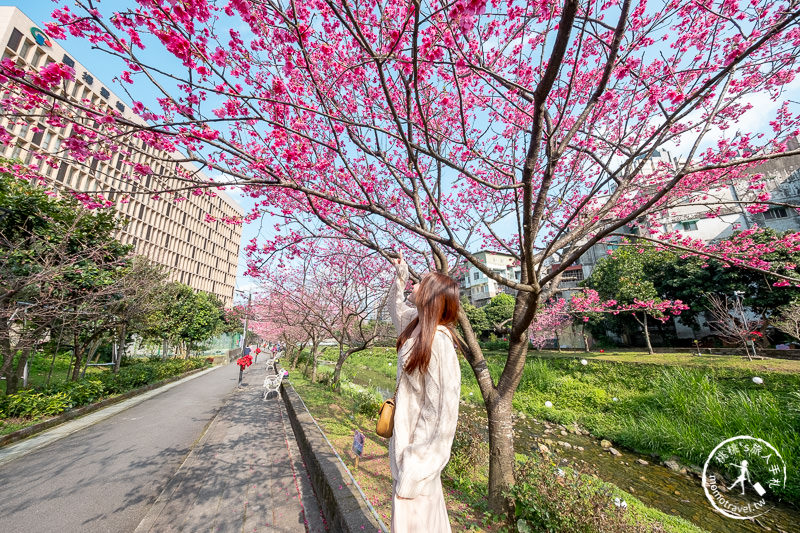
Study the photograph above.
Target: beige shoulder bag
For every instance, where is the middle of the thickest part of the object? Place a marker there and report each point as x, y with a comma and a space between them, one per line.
385, 424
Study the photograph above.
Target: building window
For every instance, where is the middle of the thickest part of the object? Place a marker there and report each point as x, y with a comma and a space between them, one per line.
775, 212
37, 137
68, 61
476, 275
26, 47
689, 225
37, 58
62, 171
13, 41
573, 275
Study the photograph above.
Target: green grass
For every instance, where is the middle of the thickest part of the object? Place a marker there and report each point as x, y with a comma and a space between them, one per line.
681, 359
664, 406
341, 413
668, 404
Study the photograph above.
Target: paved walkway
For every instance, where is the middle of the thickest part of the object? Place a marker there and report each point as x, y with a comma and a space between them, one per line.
245, 474
105, 476
15, 451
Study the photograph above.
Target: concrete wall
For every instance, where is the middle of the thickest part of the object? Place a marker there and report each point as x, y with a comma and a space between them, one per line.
343, 504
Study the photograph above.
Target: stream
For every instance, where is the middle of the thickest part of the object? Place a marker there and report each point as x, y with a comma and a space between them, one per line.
672, 492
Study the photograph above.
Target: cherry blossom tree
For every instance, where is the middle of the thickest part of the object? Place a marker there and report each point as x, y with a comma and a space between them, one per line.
275, 322
436, 128
552, 318
589, 301
336, 292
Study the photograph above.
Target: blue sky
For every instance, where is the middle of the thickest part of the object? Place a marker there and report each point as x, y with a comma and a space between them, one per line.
105, 70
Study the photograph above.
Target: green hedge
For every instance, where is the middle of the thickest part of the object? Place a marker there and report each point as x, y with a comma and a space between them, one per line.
33, 404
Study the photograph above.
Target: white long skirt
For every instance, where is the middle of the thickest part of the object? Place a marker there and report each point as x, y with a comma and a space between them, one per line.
423, 514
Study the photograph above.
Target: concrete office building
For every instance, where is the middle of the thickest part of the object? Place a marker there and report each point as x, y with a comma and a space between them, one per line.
201, 254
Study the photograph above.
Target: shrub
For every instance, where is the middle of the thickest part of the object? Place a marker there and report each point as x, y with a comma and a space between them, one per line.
365, 402
79, 392
33, 404
469, 456
549, 499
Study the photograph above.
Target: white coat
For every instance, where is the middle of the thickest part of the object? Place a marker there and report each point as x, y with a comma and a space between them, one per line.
426, 413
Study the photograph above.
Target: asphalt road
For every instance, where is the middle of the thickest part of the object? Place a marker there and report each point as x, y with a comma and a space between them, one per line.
105, 477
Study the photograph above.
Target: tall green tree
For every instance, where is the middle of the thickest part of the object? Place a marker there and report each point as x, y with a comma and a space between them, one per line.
476, 316
692, 279
58, 261
499, 312
627, 276
185, 318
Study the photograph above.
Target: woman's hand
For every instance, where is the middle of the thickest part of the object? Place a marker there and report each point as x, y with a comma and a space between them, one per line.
401, 267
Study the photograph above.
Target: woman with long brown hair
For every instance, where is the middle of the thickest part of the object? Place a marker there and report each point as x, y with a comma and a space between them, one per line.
426, 404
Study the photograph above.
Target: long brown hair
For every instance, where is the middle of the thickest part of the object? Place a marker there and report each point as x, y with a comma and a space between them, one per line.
437, 304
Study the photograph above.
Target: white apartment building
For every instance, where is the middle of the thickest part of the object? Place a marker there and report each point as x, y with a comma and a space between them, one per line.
478, 288
691, 219
176, 234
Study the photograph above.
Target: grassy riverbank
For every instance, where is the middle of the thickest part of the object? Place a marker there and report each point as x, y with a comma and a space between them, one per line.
681, 407
571, 501
669, 404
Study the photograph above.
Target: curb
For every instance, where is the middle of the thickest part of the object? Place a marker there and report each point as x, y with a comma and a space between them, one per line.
341, 499
29, 431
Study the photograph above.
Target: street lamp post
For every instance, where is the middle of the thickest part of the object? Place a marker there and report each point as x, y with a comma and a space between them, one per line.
738, 295
246, 319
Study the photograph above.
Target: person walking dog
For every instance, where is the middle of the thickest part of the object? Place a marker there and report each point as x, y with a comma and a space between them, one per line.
428, 392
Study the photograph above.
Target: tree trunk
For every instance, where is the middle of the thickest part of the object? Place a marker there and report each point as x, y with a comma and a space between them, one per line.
314, 356
121, 348
76, 369
643, 323
585, 338
19, 374
501, 454
337, 370
14, 375
91, 355
296, 354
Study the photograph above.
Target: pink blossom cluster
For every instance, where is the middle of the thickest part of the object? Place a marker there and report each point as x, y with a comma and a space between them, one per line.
589, 301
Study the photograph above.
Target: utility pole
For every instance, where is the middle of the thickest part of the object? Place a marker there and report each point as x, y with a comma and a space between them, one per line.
246, 319
738, 295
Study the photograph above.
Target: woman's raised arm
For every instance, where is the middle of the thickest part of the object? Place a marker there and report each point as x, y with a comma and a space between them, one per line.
402, 314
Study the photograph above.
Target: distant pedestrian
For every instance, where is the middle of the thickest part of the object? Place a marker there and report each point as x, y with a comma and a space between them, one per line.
426, 404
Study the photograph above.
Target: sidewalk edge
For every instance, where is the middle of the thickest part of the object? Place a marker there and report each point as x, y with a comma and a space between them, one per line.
345, 510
